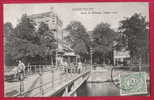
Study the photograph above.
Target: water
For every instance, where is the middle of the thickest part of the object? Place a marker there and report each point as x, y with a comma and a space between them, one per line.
98, 89
102, 89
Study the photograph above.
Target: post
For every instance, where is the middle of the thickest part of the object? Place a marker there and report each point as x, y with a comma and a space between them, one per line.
34, 68
21, 88
52, 72
74, 94
140, 64
56, 58
91, 60
91, 50
41, 84
66, 91
113, 61
41, 68
60, 77
28, 69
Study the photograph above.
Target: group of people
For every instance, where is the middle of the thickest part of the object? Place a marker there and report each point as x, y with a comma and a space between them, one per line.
20, 70
72, 67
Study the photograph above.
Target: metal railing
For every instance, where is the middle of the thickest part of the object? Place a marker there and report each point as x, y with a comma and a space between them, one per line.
32, 69
64, 74
19, 85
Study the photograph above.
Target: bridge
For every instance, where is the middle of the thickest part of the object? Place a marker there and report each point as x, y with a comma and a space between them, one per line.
46, 81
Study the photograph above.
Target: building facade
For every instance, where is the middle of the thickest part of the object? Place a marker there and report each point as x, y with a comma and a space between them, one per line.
55, 25
51, 19
121, 56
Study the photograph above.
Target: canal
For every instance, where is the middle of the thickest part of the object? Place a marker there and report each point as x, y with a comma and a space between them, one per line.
106, 88
103, 89
98, 89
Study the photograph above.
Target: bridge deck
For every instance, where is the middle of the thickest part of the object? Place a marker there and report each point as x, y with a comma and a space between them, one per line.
32, 83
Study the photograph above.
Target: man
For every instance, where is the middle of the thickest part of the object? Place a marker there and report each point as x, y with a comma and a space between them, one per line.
21, 70
65, 66
79, 66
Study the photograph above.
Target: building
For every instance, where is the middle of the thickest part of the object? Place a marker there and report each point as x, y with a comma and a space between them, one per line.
121, 55
50, 18
66, 53
55, 25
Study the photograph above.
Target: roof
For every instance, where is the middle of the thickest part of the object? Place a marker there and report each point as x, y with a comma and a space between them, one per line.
46, 14
41, 15
69, 54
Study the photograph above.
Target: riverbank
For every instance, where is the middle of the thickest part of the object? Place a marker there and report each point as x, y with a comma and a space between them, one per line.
100, 83
103, 74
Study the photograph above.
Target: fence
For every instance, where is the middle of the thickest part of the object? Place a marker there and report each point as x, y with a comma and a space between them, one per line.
32, 69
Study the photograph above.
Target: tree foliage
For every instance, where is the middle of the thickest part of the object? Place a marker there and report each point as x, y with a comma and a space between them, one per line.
8, 30
136, 32
78, 38
103, 37
46, 37
26, 42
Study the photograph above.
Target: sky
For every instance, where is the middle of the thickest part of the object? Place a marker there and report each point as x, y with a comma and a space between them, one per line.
89, 14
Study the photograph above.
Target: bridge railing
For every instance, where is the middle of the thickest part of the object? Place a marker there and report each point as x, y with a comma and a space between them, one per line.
40, 90
72, 86
11, 76
32, 69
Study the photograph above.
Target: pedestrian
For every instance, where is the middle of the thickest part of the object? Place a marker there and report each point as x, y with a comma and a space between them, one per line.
65, 66
79, 66
21, 70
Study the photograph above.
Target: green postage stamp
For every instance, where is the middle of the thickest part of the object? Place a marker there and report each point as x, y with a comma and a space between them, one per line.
133, 84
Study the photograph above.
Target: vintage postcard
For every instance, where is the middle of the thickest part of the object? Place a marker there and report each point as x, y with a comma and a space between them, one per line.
76, 49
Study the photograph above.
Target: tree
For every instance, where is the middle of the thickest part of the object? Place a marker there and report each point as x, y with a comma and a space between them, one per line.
27, 43
46, 36
46, 39
78, 38
21, 42
103, 37
136, 35
8, 31
25, 29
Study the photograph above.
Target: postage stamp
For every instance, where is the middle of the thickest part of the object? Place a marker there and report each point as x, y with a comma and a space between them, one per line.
133, 84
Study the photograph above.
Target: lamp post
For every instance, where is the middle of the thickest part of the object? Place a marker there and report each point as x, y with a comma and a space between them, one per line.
56, 58
91, 57
57, 48
140, 64
91, 52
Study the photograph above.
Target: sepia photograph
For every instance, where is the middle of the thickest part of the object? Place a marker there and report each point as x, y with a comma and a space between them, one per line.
76, 49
